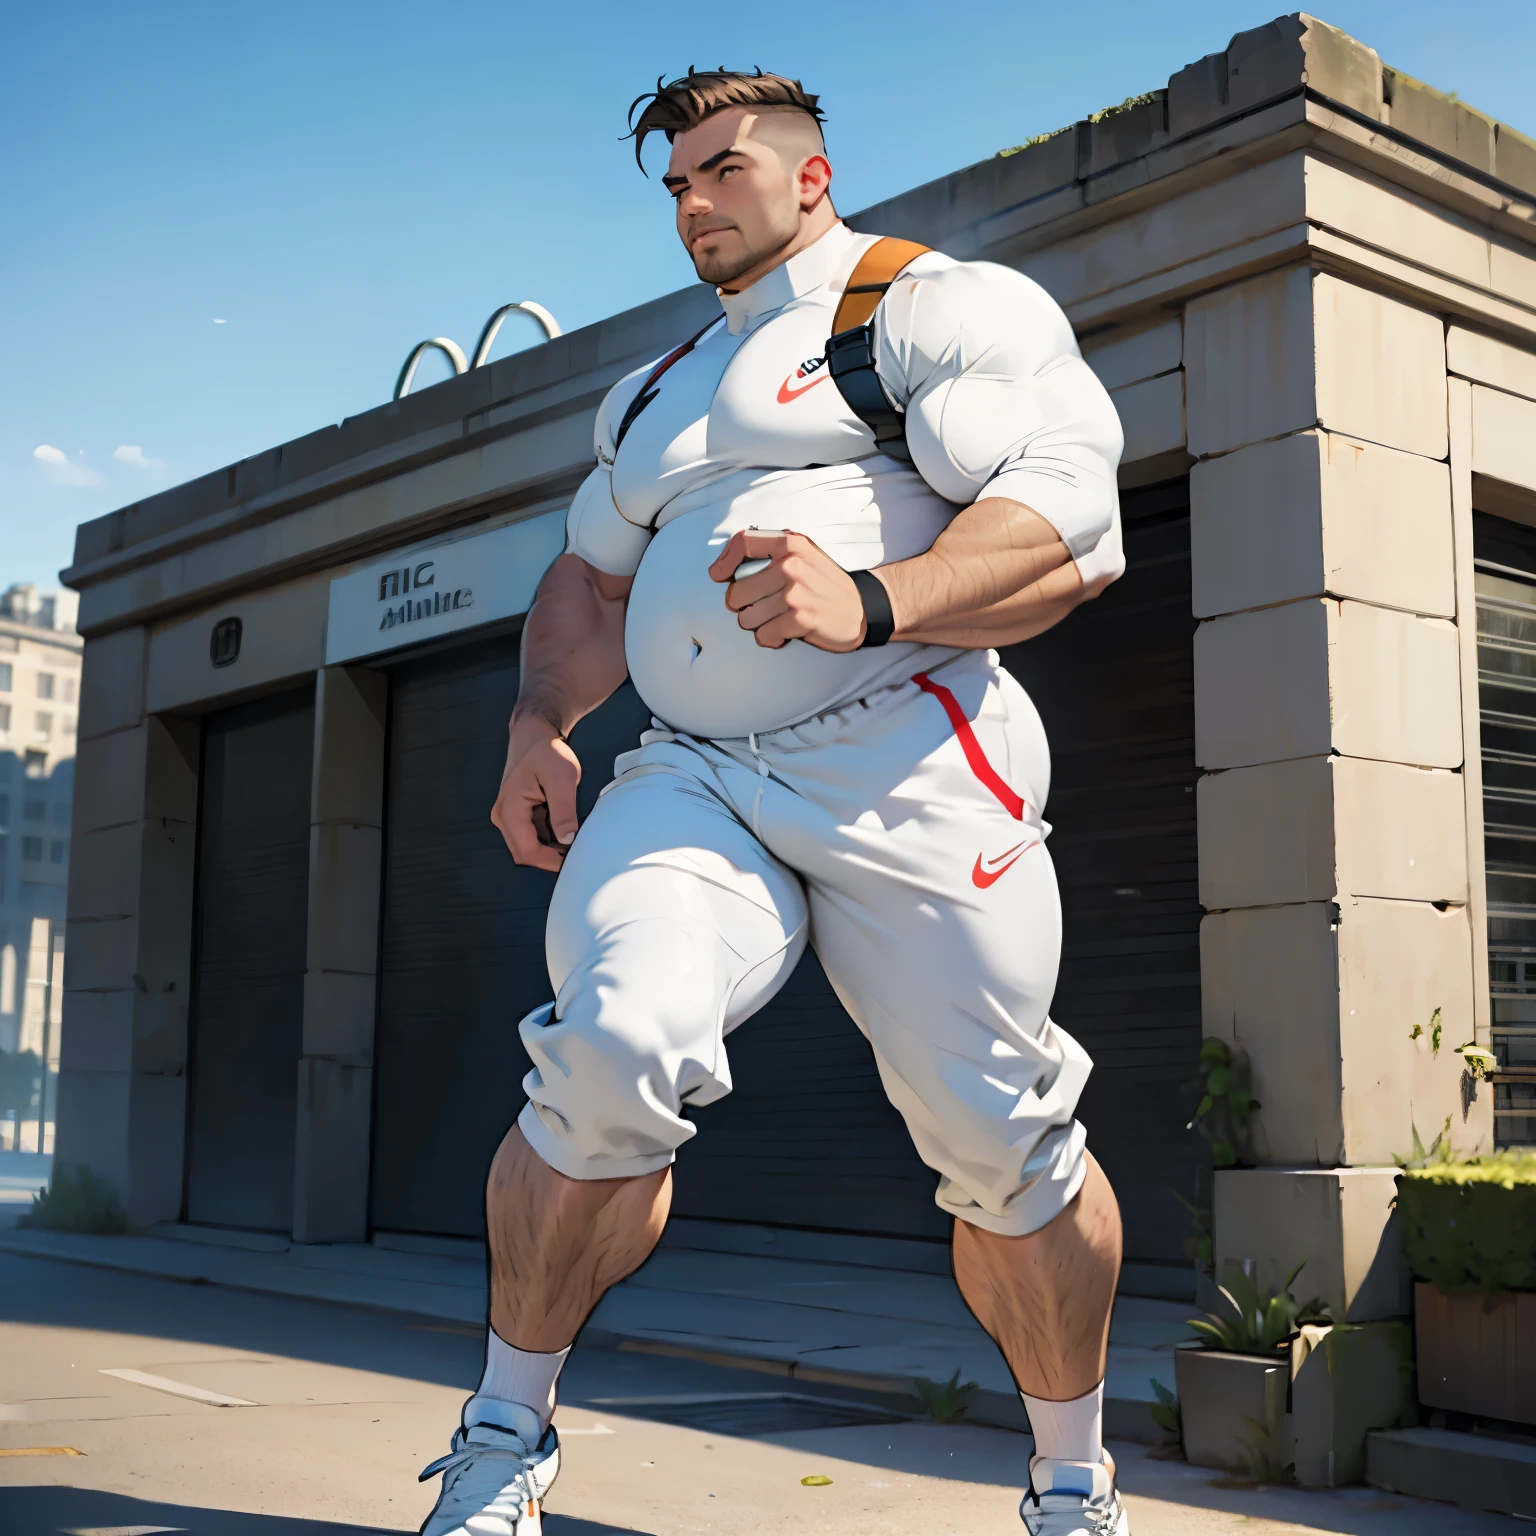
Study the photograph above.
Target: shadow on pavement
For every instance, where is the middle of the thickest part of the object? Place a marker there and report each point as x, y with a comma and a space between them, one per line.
55, 1511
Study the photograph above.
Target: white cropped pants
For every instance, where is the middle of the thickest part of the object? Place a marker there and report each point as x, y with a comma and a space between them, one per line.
900, 836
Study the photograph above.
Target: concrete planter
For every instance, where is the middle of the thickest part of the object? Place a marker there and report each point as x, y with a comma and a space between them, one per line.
1304, 1415
1233, 1409
1475, 1356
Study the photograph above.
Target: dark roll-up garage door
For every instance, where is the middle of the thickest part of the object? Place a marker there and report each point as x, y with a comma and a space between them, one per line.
1114, 684
462, 956
248, 977
806, 1137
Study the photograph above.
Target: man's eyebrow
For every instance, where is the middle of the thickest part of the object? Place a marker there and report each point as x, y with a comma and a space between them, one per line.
669, 182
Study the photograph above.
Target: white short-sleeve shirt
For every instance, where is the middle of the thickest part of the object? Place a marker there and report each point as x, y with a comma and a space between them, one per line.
747, 429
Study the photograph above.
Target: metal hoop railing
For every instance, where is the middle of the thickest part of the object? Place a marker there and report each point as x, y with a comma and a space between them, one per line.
449, 348
550, 325
455, 354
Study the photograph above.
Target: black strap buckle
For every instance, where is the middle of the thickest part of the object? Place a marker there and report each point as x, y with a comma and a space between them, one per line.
851, 362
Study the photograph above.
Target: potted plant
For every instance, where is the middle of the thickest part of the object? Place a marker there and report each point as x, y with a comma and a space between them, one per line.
1234, 1386
1469, 1235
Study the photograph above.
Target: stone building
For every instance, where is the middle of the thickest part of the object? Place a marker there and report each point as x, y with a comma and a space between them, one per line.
1293, 762
39, 703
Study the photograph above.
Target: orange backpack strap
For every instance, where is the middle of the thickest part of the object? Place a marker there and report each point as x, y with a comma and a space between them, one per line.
850, 350
877, 269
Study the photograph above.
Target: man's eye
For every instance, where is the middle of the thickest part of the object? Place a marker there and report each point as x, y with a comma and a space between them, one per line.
727, 170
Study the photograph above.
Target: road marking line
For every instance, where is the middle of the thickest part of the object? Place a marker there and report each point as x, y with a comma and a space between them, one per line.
179, 1388
40, 1450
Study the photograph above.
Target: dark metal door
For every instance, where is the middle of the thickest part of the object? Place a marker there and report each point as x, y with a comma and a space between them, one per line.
248, 981
462, 958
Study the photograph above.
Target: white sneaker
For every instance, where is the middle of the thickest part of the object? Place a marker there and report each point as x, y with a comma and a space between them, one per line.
494, 1479
1072, 1498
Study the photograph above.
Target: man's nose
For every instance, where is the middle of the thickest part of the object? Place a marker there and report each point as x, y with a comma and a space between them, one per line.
693, 203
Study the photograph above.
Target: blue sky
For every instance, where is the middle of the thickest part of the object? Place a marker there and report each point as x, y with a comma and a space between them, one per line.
226, 224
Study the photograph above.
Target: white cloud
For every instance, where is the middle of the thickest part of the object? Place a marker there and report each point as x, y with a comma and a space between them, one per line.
221, 322
63, 470
128, 454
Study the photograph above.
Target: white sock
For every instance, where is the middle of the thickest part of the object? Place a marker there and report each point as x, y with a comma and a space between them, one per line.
1071, 1431
514, 1376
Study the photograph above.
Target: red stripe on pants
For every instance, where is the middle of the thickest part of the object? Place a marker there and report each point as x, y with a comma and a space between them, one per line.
983, 770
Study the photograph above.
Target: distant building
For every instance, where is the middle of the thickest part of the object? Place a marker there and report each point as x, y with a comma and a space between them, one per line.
39, 704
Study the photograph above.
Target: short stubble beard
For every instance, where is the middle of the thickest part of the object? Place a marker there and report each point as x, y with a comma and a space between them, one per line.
722, 270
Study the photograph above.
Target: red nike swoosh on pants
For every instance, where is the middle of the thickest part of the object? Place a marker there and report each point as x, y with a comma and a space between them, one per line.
982, 878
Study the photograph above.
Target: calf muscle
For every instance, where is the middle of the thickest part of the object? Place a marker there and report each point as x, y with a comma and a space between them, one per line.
556, 1244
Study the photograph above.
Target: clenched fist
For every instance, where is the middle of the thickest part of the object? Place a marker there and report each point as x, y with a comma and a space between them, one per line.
538, 793
801, 594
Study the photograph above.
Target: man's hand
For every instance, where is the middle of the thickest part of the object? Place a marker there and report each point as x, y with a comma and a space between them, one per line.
802, 593
538, 785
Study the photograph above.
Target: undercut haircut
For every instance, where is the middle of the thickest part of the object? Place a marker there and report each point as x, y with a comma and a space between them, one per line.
684, 103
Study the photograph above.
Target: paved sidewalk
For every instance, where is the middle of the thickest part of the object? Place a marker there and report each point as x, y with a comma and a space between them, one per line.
828, 1325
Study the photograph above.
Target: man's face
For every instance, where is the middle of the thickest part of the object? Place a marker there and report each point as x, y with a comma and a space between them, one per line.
737, 202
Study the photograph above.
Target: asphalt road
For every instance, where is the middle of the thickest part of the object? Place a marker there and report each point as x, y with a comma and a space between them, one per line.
339, 1408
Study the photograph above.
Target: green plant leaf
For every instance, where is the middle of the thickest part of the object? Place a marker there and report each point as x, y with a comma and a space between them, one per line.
1205, 1106
1217, 1080
1214, 1052
1223, 1154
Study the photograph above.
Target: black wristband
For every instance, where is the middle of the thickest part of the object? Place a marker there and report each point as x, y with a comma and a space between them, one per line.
879, 622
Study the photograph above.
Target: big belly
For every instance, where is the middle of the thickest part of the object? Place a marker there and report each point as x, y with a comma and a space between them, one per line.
702, 673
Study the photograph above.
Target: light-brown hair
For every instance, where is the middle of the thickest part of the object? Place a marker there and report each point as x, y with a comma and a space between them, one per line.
684, 103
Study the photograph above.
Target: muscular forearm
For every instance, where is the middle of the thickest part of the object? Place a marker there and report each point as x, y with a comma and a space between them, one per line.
573, 644
998, 574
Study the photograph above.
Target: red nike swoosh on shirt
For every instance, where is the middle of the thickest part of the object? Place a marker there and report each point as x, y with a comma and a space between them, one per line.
786, 394
982, 878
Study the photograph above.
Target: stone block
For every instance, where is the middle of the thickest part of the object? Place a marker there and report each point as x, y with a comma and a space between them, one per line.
339, 1012
92, 1125
345, 870
1346, 1382
1232, 1409
1126, 355
330, 1188
1504, 437
1323, 999
1261, 686
1396, 683
1125, 134
350, 708
1514, 158
109, 780
1380, 368
1151, 416
1272, 61
1312, 677
1475, 1471
101, 955
1340, 1220
173, 764
1451, 128
160, 1032
112, 683
156, 1147
1320, 828
104, 872
168, 865
1249, 360
282, 638
97, 1033
1318, 513
1487, 361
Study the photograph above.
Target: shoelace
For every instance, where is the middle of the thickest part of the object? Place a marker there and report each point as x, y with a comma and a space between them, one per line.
467, 1455
1070, 1521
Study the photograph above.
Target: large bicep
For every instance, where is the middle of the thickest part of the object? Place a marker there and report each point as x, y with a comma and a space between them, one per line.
1001, 403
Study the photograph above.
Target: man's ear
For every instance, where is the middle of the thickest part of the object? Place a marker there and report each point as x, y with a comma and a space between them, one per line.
814, 178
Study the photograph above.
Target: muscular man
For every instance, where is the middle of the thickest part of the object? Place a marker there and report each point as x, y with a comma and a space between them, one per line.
805, 591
